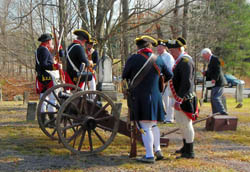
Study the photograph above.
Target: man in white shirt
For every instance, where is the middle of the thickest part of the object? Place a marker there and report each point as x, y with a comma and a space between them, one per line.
167, 95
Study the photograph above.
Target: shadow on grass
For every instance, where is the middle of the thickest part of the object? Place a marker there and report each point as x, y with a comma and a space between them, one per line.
18, 123
69, 162
14, 108
27, 149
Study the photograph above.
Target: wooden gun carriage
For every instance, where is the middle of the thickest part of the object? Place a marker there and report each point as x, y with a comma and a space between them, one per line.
85, 122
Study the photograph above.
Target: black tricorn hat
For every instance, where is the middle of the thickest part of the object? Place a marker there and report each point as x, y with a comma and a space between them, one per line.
45, 37
183, 41
176, 43
92, 41
143, 39
162, 42
83, 33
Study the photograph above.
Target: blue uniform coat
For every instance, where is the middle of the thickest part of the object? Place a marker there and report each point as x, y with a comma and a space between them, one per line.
44, 61
146, 97
77, 56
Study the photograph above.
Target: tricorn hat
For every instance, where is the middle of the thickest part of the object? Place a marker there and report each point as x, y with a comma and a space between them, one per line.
183, 41
83, 33
176, 43
143, 39
92, 41
45, 37
162, 42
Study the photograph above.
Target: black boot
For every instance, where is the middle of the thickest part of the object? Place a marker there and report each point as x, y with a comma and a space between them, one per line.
189, 152
182, 150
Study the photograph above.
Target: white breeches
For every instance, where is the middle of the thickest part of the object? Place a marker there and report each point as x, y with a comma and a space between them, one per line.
169, 104
151, 138
45, 106
91, 84
186, 126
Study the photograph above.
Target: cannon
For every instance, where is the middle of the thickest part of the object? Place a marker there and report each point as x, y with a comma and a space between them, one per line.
85, 122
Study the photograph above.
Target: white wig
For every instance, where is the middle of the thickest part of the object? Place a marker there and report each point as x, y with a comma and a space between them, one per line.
206, 51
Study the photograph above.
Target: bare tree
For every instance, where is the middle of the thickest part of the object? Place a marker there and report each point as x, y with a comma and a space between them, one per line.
105, 20
185, 19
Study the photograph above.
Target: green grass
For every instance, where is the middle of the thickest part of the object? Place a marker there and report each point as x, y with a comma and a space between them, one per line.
26, 138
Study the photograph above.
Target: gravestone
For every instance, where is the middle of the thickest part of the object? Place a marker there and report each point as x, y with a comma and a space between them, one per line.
105, 79
31, 111
224, 101
239, 93
1, 94
26, 95
18, 97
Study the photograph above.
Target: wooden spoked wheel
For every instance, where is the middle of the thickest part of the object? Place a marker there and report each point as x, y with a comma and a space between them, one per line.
49, 106
92, 122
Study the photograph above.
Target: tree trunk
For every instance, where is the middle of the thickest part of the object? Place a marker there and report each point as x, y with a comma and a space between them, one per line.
124, 28
175, 24
83, 12
100, 19
62, 26
159, 31
185, 19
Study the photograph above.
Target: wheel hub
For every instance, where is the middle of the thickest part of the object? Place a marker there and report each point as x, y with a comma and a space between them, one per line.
90, 123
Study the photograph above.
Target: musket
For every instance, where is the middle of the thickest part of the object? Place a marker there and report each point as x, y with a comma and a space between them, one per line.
131, 125
195, 122
57, 58
133, 130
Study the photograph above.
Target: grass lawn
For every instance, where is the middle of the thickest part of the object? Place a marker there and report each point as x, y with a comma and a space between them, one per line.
24, 147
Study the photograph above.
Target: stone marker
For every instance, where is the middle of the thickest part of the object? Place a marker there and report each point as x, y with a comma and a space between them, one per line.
31, 111
26, 96
105, 79
1, 95
224, 101
239, 93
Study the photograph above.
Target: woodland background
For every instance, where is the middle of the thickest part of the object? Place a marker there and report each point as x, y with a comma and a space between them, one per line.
223, 26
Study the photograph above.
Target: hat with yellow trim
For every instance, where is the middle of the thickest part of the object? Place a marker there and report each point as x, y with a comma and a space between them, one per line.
183, 41
143, 39
162, 42
83, 33
176, 43
92, 41
45, 37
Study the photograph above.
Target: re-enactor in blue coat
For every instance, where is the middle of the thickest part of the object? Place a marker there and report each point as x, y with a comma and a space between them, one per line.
146, 100
44, 64
76, 56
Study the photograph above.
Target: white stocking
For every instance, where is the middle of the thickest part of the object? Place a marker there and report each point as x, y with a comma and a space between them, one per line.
148, 138
156, 134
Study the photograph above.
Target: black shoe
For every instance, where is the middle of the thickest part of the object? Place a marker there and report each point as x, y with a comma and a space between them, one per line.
146, 160
189, 153
182, 150
224, 113
159, 155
